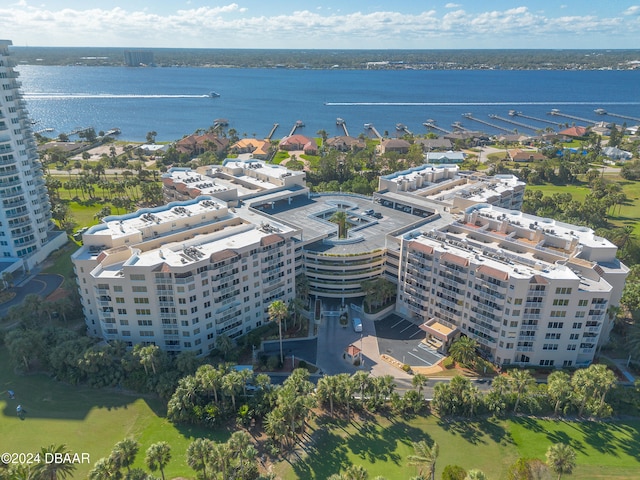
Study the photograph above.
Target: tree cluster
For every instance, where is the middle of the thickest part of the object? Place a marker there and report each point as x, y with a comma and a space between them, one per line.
584, 394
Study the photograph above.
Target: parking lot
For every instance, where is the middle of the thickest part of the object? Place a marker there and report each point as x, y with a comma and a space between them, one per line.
402, 340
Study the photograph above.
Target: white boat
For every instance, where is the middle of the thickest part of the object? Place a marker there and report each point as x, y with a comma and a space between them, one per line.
214, 94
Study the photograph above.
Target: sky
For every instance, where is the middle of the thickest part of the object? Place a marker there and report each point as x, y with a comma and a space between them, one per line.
323, 24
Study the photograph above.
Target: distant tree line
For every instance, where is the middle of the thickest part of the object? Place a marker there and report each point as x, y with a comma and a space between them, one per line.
521, 59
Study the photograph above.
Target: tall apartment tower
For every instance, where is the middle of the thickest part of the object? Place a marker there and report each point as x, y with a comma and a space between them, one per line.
26, 236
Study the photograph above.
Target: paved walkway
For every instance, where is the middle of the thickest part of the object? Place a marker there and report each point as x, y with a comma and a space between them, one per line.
622, 366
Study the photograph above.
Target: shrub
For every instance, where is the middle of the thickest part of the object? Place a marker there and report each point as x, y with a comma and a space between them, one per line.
448, 363
454, 472
406, 367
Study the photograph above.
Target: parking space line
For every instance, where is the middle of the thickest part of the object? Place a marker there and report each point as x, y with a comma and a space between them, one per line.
421, 359
417, 332
397, 323
407, 328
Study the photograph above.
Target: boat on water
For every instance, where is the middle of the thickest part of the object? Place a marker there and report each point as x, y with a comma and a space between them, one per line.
214, 94
113, 131
600, 111
339, 121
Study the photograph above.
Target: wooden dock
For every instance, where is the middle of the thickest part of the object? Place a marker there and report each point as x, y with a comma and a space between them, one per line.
369, 126
298, 124
431, 125
558, 113
273, 130
513, 122
489, 124
341, 123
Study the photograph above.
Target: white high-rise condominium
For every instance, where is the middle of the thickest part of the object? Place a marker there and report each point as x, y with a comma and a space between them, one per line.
26, 230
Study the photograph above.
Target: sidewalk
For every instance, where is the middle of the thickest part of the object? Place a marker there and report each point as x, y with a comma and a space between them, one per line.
621, 364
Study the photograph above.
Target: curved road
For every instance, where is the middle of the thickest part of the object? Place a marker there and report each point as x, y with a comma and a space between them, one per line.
43, 284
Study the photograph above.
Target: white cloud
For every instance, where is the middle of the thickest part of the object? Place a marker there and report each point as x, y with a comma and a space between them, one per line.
632, 10
452, 5
231, 26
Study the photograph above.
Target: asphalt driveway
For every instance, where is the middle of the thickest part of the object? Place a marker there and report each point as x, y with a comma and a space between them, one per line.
402, 340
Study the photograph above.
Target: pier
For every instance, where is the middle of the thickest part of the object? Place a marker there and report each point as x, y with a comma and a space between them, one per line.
457, 127
431, 125
369, 126
602, 111
557, 113
513, 113
401, 127
513, 122
489, 124
298, 124
341, 123
219, 123
273, 130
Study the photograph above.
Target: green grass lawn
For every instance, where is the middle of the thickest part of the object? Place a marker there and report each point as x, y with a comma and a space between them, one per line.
629, 213
87, 420
605, 450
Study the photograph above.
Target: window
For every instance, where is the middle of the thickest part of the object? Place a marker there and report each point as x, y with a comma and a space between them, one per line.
555, 325
562, 302
580, 314
137, 277
122, 311
552, 336
546, 363
577, 324
558, 313
145, 323
550, 346
119, 300
143, 311
563, 291
124, 322
141, 300
583, 303
138, 288
571, 346
574, 336
146, 333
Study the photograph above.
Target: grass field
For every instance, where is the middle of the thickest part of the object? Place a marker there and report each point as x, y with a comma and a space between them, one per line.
605, 450
87, 420
629, 214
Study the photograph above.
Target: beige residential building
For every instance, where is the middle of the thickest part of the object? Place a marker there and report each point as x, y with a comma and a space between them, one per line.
180, 275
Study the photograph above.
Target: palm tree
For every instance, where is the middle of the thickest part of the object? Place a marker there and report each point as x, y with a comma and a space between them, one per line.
158, 456
558, 389
561, 458
240, 446
278, 311
124, 453
199, 455
424, 458
105, 469
463, 350
521, 381
328, 389
54, 470
418, 381
340, 217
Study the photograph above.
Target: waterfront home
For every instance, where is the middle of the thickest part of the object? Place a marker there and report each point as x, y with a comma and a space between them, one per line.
299, 142
257, 148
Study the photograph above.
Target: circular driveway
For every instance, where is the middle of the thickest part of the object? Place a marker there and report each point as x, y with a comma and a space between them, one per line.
43, 284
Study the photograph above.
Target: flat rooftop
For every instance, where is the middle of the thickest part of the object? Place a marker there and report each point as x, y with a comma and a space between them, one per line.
312, 214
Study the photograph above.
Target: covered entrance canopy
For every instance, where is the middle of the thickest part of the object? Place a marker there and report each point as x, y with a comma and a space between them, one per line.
439, 335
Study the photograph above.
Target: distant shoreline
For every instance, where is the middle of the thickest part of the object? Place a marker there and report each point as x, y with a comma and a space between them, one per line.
534, 59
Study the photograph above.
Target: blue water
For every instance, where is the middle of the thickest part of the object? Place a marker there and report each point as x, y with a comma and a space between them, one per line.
175, 101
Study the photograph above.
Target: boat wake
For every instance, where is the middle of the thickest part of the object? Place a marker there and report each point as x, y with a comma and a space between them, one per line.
466, 104
66, 96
